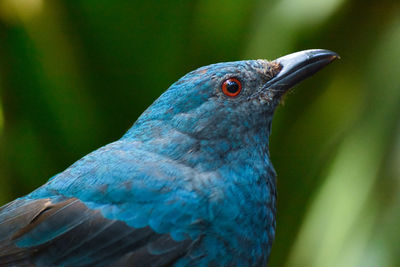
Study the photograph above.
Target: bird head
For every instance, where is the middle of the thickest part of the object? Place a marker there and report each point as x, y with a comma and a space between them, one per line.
228, 100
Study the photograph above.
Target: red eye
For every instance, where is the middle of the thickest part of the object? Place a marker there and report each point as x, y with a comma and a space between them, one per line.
231, 87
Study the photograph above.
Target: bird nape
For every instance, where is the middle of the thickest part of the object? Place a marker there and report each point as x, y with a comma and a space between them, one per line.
190, 184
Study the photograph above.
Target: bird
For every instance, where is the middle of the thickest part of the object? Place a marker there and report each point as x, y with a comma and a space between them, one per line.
191, 183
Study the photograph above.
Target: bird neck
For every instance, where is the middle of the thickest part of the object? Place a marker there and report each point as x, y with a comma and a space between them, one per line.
247, 148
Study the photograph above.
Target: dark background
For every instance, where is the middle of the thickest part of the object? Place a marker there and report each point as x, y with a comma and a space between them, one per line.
75, 75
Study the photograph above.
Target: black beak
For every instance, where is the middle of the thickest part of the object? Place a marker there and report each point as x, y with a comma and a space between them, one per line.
297, 67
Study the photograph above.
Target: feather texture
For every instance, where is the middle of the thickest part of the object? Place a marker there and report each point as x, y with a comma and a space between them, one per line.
65, 232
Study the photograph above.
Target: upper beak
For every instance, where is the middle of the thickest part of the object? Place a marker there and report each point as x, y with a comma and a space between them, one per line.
297, 67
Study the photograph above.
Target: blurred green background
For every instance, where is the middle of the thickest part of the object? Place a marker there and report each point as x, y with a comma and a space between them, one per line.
74, 75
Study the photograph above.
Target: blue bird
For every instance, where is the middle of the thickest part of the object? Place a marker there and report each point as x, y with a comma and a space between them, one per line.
190, 184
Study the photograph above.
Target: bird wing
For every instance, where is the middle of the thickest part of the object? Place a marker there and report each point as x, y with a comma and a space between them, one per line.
48, 232
116, 205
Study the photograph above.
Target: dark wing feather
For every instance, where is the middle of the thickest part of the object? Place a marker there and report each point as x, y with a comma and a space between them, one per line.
65, 232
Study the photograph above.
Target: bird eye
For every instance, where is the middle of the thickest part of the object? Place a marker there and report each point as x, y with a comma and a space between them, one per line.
231, 87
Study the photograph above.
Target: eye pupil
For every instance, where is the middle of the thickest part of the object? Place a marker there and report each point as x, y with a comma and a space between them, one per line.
231, 87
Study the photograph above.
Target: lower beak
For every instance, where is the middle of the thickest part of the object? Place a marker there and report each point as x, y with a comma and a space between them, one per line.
297, 67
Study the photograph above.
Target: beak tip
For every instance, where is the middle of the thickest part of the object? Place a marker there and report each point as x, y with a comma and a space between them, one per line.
337, 56
333, 55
